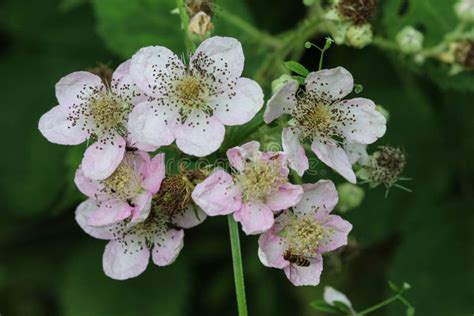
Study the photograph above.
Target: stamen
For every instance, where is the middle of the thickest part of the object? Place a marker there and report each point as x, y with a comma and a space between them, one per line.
304, 235
258, 179
124, 183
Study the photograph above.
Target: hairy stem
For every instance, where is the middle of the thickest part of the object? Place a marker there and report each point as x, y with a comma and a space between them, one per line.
183, 15
237, 263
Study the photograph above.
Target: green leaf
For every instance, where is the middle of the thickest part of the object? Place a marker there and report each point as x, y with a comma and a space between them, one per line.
410, 311
342, 307
296, 67
322, 306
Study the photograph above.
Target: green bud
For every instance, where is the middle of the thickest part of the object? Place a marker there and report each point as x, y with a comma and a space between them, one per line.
350, 196
278, 83
410, 40
359, 36
465, 10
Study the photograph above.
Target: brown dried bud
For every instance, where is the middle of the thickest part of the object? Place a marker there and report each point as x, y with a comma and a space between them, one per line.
358, 11
196, 6
464, 54
104, 72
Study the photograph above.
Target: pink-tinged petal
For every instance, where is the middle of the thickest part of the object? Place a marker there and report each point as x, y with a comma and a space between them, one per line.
320, 197
282, 102
167, 247
237, 155
238, 104
200, 135
126, 257
255, 218
142, 207
88, 187
153, 69
154, 174
271, 248
110, 212
83, 213
295, 152
286, 196
77, 87
221, 57
55, 126
336, 230
190, 217
217, 194
357, 153
309, 275
138, 160
151, 125
330, 84
364, 124
335, 157
124, 85
103, 157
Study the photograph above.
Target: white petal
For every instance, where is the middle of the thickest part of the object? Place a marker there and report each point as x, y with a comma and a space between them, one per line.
153, 68
124, 85
77, 87
321, 196
295, 151
200, 135
282, 102
238, 104
330, 84
55, 126
335, 157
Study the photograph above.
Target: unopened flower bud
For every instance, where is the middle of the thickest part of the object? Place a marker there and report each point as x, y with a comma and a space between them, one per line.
465, 10
410, 40
350, 196
200, 24
278, 83
359, 36
196, 6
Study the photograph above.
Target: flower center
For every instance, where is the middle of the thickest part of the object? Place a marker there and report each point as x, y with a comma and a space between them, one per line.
191, 94
108, 111
174, 195
123, 183
304, 235
258, 179
313, 118
156, 224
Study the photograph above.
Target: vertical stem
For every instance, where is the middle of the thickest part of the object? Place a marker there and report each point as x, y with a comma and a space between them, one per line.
237, 263
183, 15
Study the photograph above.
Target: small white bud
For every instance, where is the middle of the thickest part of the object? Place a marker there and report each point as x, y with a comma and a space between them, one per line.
200, 24
410, 40
465, 10
359, 36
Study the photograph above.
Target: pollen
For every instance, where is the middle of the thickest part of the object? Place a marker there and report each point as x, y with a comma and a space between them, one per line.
190, 92
258, 179
123, 183
108, 111
304, 235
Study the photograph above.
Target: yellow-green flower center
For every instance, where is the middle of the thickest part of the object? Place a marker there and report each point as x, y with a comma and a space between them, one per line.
108, 111
124, 183
258, 179
304, 235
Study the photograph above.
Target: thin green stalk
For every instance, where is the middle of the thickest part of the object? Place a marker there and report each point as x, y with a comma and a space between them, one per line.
183, 15
379, 305
237, 263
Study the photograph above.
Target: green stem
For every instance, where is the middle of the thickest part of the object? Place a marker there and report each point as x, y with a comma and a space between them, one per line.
237, 263
183, 15
379, 305
249, 29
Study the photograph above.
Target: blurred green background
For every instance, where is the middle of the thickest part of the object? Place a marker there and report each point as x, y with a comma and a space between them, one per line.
48, 266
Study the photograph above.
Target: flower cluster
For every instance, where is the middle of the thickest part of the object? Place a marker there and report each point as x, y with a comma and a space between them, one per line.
156, 99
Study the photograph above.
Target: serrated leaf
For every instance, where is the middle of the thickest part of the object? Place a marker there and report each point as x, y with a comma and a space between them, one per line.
297, 68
